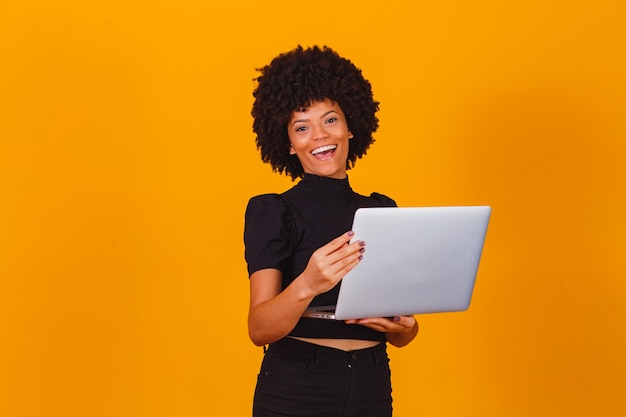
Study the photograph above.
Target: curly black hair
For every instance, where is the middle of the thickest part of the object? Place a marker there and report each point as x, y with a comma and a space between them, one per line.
295, 79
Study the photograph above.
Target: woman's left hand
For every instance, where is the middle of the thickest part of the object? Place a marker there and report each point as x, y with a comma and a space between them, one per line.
400, 330
385, 325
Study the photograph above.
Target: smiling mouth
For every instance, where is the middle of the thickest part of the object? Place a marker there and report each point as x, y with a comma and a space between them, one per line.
323, 151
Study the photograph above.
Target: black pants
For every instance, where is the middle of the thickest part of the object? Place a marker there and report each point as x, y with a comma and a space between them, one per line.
300, 379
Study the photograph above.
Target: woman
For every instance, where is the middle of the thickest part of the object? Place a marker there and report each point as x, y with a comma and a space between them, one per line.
314, 115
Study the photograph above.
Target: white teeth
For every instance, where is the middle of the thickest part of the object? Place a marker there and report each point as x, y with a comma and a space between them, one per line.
323, 149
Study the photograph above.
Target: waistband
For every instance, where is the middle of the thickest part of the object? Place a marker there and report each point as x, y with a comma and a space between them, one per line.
298, 348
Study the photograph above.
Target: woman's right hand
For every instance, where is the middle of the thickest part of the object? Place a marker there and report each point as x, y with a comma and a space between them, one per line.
274, 312
331, 262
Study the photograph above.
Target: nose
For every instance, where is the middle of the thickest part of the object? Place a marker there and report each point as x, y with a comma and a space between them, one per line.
319, 132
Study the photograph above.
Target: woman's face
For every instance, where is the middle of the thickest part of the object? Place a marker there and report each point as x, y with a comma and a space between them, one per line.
319, 137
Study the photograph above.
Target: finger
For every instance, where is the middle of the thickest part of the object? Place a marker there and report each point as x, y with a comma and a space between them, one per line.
349, 252
342, 262
338, 243
339, 258
375, 325
405, 321
380, 324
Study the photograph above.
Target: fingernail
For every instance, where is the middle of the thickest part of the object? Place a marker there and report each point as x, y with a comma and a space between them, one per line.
362, 250
350, 233
396, 319
362, 243
360, 257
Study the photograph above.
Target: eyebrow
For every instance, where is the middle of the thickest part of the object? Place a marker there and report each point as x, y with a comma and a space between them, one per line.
306, 120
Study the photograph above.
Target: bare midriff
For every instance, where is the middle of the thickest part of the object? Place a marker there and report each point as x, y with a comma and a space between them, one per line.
343, 344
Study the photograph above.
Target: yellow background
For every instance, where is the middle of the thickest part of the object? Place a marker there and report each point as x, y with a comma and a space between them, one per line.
127, 159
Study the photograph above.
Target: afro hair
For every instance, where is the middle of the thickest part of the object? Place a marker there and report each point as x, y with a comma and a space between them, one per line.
294, 80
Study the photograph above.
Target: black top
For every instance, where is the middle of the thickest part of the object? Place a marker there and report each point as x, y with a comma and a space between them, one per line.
283, 230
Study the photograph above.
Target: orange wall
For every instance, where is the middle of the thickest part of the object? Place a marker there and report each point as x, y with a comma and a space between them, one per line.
127, 159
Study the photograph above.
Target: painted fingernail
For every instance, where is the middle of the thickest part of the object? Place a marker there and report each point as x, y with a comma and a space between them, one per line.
350, 233
360, 257
362, 243
362, 250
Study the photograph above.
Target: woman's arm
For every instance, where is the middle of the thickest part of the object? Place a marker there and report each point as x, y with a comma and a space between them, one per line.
274, 313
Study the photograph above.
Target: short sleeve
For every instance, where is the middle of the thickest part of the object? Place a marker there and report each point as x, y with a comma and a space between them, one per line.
383, 200
267, 235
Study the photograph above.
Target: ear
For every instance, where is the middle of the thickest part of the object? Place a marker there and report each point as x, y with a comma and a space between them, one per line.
350, 135
292, 151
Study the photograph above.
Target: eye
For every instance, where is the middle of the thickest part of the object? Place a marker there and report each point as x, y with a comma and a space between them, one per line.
300, 128
331, 120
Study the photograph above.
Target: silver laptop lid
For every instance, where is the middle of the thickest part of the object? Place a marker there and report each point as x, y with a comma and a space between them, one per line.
417, 260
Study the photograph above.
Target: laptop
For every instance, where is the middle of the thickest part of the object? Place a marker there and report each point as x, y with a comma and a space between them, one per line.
417, 260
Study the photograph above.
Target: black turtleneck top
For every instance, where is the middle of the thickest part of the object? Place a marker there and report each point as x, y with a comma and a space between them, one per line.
283, 230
